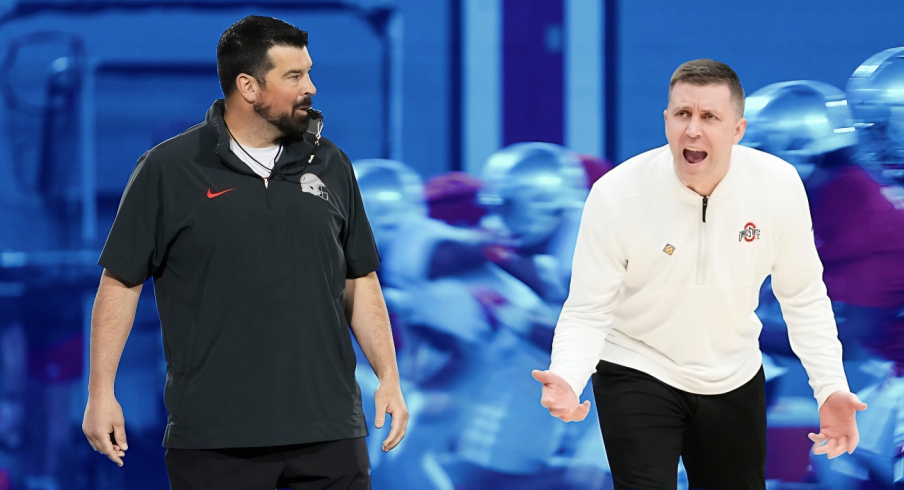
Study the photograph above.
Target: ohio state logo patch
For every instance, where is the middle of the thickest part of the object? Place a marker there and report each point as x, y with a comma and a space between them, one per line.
749, 233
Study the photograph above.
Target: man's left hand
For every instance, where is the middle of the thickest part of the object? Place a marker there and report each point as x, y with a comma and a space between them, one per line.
388, 399
838, 425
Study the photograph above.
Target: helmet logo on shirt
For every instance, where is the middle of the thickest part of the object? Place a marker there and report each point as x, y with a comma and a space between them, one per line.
312, 184
749, 233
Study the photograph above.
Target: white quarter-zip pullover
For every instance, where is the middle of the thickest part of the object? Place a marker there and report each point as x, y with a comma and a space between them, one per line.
666, 281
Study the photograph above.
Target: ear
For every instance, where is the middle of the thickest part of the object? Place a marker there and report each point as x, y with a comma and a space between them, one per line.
247, 87
665, 119
740, 128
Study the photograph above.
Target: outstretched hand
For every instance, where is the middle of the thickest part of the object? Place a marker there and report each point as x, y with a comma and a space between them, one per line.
559, 398
838, 425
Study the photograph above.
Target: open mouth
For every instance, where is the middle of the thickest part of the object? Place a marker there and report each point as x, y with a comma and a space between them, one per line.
694, 155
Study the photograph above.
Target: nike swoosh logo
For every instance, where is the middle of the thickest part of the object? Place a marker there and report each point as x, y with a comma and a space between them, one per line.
211, 195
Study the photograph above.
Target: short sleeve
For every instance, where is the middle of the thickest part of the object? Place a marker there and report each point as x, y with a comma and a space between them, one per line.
361, 256
133, 251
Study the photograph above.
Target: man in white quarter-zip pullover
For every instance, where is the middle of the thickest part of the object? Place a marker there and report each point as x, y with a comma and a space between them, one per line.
673, 248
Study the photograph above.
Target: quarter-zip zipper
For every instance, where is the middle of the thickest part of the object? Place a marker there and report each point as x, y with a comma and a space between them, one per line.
268, 194
701, 247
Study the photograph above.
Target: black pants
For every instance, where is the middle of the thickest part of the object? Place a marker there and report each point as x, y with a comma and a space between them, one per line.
648, 424
341, 464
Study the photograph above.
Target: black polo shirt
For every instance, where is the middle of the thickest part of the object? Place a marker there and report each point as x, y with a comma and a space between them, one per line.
250, 284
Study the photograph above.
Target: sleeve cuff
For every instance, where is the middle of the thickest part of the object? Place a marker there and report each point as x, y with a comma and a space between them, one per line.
360, 268
577, 387
824, 393
132, 276
575, 381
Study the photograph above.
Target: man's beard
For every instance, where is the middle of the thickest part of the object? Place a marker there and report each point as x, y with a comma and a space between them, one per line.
289, 125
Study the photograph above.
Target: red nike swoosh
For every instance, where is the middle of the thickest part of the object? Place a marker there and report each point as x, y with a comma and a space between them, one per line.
212, 195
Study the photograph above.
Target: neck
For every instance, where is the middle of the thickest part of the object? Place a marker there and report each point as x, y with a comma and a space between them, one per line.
704, 189
248, 128
704, 184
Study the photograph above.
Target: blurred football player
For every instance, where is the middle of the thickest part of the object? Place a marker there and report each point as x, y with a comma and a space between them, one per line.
535, 192
876, 95
855, 223
434, 297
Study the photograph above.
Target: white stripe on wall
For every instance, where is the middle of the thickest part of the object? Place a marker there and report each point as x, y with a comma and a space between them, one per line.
397, 76
482, 78
584, 76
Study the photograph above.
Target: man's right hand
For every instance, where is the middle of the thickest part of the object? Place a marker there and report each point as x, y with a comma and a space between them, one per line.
559, 398
103, 424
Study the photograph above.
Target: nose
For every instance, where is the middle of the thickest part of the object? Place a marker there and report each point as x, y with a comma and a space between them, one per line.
693, 127
309, 88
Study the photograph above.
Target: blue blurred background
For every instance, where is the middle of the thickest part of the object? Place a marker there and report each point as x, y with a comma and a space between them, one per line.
434, 100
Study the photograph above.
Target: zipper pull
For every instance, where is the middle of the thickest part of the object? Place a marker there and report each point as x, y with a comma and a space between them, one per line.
705, 203
266, 182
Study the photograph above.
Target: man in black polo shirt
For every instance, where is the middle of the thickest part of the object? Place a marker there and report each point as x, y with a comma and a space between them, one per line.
252, 226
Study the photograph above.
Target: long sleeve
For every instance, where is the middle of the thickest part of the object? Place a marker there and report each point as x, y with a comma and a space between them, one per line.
798, 285
598, 271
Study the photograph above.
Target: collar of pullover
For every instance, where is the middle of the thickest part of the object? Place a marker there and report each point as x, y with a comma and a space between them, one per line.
297, 153
723, 188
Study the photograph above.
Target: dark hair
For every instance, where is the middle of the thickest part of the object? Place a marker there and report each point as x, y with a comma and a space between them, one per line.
243, 48
705, 72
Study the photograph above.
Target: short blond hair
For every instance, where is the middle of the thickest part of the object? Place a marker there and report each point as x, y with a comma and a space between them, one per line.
706, 72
